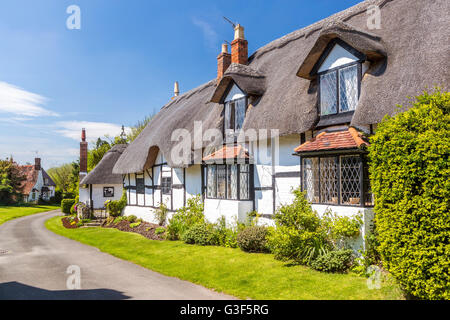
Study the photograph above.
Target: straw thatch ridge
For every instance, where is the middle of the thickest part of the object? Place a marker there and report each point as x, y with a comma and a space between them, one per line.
102, 173
413, 38
248, 80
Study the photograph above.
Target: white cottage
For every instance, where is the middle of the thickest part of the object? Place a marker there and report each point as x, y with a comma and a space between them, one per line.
37, 184
294, 113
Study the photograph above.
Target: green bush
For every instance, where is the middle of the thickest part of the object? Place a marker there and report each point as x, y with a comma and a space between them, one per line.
66, 205
135, 224
201, 234
298, 235
253, 239
131, 218
115, 208
185, 218
409, 172
160, 230
333, 261
161, 214
119, 219
339, 229
226, 236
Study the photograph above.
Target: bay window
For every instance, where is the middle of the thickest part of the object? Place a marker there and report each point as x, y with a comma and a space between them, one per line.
230, 181
336, 180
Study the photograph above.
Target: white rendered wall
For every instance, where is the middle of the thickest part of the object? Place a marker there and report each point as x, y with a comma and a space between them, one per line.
97, 194
232, 210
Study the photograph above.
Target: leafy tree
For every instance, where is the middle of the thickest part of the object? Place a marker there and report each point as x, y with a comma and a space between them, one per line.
11, 179
138, 128
96, 154
409, 171
61, 176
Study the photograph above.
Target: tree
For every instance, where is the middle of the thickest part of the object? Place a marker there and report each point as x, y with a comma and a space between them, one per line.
96, 154
61, 176
138, 128
410, 178
11, 180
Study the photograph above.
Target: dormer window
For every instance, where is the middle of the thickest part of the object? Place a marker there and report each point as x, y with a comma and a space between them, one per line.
235, 109
339, 71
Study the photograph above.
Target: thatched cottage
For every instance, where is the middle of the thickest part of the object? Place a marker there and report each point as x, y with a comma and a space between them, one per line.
294, 113
100, 185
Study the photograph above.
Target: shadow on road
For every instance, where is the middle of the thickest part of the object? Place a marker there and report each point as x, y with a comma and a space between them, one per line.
19, 291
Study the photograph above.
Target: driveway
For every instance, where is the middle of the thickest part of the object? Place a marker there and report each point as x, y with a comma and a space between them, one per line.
34, 263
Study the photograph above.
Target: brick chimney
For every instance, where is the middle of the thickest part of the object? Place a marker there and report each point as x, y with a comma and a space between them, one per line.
83, 153
239, 46
223, 61
37, 164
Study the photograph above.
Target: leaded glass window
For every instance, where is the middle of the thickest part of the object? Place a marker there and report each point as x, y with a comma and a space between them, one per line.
211, 182
235, 113
350, 180
228, 181
221, 181
245, 182
328, 93
166, 185
232, 181
336, 180
348, 88
140, 186
339, 90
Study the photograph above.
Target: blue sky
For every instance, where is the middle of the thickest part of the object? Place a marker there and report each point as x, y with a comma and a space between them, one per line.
120, 66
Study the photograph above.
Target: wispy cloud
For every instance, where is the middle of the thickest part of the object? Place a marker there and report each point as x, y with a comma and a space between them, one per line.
94, 130
209, 34
17, 101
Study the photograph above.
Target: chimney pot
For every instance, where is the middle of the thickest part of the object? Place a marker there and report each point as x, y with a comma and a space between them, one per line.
223, 62
37, 164
176, 89
239, 32
83, 134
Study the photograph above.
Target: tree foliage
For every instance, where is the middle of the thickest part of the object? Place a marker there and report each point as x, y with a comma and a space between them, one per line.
10, 181
409, 157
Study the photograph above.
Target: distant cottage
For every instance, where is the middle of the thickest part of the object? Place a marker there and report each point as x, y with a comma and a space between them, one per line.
316, 93
38, 184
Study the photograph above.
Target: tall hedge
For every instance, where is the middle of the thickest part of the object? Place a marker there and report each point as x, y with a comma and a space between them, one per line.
410, 177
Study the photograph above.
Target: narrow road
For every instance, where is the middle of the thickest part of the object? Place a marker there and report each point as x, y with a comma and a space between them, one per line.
34, 263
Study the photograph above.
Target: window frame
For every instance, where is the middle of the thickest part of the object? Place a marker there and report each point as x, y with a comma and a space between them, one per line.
364, 183
104, 193
233, 116
166, 189
336, 70
249, 173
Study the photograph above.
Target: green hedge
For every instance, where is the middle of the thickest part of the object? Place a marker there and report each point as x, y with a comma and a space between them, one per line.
66, 205
115, 208
409, 158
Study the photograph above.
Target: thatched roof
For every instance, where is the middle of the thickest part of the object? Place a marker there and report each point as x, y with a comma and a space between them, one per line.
102, 173
409, 53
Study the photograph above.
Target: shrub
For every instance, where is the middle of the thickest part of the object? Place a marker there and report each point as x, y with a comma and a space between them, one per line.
66, 205
409, 172
160, 230
135, 224
185, 218
298, 235
161, 214
341, 228
227, 236
132, 218
253, 239
115, 208
119, 219
73, 209
109, 220
334, 261
201, 234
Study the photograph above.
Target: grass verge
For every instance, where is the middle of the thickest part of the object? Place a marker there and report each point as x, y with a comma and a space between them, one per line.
232, 271
13, 212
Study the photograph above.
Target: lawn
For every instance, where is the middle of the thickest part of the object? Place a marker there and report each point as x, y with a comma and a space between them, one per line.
232, 271
13, 212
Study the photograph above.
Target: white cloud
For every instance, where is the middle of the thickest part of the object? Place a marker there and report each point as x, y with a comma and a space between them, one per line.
94, 130
20, 102
209, 33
